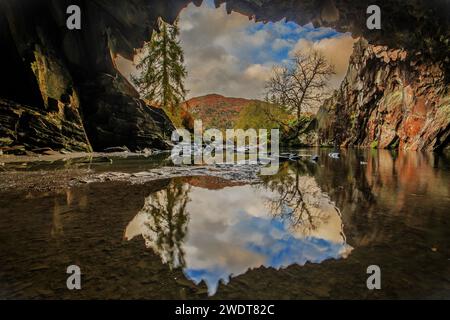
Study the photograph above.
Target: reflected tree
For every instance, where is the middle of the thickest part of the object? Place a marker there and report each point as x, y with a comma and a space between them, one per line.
166, 222
298, 198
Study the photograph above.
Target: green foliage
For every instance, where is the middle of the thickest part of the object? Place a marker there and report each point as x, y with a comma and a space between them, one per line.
353, 119
261, 115
374, 144
162, 70
303, 129
175, 117
302, 122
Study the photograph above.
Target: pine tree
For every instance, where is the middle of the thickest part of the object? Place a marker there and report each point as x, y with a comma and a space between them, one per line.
162, 69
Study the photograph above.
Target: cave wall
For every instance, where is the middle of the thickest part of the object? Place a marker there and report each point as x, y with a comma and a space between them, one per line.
68, 76
389, 98
63, 82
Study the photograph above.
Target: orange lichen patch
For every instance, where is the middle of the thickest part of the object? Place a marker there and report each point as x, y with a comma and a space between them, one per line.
393, 98
413, 125
371, 126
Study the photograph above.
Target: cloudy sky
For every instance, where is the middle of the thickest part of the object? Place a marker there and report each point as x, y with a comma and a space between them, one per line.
233, 56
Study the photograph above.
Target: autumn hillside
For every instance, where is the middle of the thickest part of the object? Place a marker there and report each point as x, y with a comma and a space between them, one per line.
216, 111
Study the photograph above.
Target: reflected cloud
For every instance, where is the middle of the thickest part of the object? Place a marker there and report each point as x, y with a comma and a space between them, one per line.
224, 233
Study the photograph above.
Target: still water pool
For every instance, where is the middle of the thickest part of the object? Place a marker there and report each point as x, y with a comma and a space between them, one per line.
310, 232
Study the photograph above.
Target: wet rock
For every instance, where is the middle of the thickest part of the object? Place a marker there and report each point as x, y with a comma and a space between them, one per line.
334, 155
25, 127
147, 151
142, 174
117, 149
15, 150
93, 160
63, 89
117, 117
237, 173
306, 135
45, 150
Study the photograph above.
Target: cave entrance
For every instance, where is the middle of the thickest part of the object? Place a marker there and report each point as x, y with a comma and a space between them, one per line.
229, 58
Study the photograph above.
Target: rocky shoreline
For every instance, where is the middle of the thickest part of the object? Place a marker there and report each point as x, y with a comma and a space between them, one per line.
77, 169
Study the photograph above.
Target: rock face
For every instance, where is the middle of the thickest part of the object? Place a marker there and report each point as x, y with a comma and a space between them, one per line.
53, 70
63, 83
307, 135
117, 117
389, 98
30, 128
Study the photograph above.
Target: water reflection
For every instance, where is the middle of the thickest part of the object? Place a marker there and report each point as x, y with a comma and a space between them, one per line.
215, 232
163, 223
61, 209
395, 213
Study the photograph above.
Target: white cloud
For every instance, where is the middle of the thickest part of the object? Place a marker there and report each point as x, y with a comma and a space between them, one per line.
220, 52
279, 44
336, 50
257, 72
230, 55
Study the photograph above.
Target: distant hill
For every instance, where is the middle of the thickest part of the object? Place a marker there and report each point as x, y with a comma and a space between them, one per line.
212, 183
215, 110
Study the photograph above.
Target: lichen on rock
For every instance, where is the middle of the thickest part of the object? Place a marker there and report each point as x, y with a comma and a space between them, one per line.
390, 96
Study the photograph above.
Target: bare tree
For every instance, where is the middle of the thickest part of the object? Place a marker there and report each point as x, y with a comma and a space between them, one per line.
302, 84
